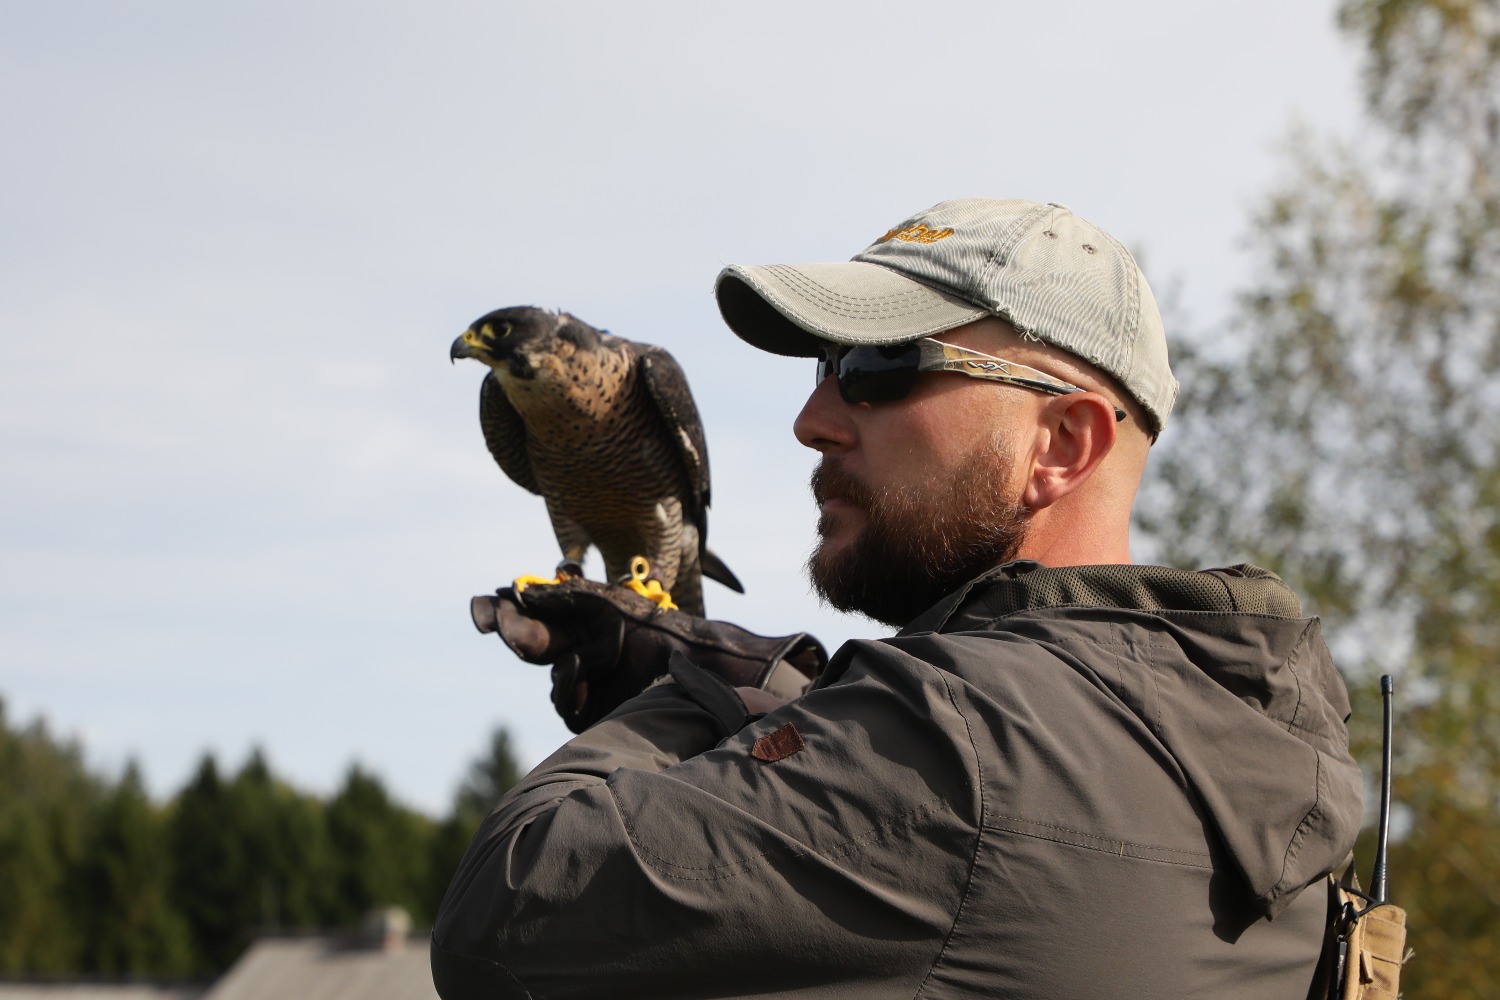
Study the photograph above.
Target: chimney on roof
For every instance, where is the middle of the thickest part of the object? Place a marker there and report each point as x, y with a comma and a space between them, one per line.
387, 928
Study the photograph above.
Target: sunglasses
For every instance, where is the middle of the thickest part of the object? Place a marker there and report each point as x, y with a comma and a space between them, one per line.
884, 374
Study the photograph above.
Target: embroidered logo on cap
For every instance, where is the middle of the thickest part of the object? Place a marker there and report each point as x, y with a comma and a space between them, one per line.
919, 233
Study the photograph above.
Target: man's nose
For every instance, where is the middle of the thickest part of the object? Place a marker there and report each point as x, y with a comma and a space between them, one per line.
824, 424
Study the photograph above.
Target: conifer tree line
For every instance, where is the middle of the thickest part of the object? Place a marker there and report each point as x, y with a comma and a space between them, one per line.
98, 880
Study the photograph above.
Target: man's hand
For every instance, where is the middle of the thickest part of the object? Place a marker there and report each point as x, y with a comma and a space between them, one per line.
606, 644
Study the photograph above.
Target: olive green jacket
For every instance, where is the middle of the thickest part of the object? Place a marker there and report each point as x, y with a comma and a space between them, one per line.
1108, 781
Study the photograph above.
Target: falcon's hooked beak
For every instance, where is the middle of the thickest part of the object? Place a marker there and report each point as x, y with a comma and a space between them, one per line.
468, 345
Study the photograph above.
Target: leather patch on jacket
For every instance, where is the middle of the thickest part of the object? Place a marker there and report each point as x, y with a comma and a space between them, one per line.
778, 745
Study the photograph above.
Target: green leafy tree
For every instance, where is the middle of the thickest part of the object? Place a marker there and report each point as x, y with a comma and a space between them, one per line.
1347, 434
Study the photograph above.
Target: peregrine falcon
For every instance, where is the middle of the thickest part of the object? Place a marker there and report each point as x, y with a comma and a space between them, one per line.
605, 430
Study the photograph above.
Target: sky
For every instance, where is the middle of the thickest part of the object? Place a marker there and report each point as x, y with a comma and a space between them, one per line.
246, 500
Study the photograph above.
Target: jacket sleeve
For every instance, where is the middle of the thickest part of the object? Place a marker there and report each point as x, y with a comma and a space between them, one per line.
829, 841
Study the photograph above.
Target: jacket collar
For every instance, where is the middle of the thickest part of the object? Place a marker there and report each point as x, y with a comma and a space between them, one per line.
1026, 585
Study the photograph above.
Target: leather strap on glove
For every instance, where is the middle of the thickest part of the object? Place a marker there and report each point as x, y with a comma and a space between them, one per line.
606, 644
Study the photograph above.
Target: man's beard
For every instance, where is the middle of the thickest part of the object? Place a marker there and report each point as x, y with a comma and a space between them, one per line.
919, 541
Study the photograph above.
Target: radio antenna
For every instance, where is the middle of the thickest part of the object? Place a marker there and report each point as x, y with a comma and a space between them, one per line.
1377, 878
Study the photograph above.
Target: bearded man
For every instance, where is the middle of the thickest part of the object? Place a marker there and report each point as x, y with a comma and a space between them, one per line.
1065, 775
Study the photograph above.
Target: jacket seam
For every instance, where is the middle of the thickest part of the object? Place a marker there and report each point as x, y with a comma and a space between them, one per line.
1149, 645
1166, 613
1291, 666
1300, 833
731, 869
1156, 690
963, 900
1103, 845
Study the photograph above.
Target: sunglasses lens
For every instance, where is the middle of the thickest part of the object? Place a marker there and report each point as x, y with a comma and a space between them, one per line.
878, 374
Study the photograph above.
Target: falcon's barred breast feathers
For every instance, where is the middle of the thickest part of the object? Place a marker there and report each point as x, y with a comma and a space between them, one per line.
605, 430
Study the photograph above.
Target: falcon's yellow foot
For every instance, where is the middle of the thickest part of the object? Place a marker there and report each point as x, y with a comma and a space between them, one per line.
566, 569
651, 589
520, 583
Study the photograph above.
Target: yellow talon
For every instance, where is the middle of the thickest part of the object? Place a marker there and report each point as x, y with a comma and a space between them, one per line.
649, 589
520, 583
566, 570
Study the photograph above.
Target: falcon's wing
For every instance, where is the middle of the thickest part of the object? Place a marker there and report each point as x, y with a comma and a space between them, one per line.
669, 388
505, 433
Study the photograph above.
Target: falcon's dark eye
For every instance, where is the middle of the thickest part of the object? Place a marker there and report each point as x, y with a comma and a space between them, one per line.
505, 329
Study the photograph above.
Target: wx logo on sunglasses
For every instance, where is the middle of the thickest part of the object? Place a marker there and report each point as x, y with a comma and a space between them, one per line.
886, 373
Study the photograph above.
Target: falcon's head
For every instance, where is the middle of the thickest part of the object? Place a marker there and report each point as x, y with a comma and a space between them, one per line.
509, 338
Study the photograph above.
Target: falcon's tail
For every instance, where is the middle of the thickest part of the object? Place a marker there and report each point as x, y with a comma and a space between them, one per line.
714, 569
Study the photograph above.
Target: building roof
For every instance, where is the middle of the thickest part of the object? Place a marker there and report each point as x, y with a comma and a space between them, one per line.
99, 991
323, 968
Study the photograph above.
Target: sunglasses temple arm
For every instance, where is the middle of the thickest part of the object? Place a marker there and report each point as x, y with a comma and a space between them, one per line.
931, 354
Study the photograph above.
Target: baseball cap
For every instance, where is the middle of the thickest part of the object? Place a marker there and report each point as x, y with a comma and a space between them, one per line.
1050, 274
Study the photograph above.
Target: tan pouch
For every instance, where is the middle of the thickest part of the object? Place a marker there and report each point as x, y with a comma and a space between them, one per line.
1376, 947
1364, 948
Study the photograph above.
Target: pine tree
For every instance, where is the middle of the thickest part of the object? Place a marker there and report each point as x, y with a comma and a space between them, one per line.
97, 880
489, 777
210, 870
285, 845
381, 853
46, 798
130, 927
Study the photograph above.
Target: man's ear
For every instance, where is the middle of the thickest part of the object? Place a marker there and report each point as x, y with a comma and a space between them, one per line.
1074, 434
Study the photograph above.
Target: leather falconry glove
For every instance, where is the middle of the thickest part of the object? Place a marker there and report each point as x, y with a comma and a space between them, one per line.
607, 644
